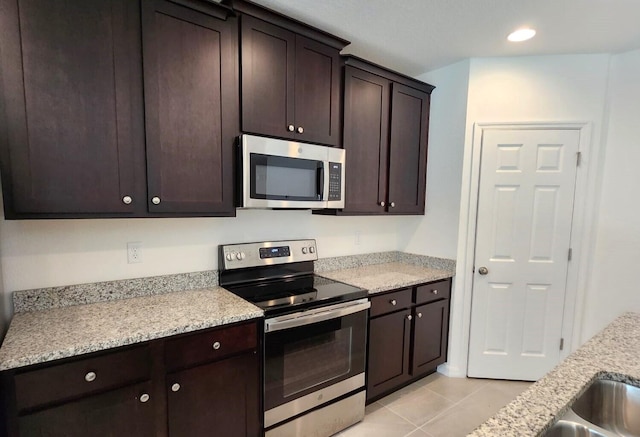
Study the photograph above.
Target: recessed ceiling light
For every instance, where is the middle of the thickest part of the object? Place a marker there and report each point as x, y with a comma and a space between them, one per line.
521, 35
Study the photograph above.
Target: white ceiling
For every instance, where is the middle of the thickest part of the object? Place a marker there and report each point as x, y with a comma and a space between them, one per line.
415, 36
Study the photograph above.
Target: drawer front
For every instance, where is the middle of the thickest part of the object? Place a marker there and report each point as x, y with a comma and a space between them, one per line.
210, 345
390, 302
58, 383
434, 291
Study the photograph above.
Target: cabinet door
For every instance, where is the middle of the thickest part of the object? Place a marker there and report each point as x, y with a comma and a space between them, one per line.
389, 339
218, 399
73, 139
366, 125
317, 92
268, 68
113, 414
431, 331
191, 107
408, 150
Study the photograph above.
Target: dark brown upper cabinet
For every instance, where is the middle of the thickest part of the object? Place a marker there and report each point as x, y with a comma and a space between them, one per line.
386, 124
291, 83
191, 107
71, 129
79, 138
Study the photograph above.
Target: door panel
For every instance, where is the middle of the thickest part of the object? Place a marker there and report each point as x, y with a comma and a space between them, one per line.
72, 91
268, 69
317, 92
189, 77
525, 209
408, 150
366, 121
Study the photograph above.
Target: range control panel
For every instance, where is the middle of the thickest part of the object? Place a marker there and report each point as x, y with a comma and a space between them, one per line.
239, 256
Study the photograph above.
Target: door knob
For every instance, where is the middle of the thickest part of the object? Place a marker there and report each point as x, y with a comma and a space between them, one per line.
483, 270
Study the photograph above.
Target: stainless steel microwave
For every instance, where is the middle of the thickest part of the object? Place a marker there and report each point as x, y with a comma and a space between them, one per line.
286, 174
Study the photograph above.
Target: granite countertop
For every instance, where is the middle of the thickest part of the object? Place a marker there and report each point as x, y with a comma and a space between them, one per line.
388, 276
40, 336
612, 354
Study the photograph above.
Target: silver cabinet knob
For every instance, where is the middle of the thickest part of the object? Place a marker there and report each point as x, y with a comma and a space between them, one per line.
216, 345
419, 315
409, 317
434, 291
127, 200
175, 387
291, 128
483, 270
155, 200
144, 398
392, 204
393, 302
90, 377
382, 204
300, 130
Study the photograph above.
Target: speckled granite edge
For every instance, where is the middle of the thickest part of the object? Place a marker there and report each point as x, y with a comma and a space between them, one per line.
353, 261
80, 294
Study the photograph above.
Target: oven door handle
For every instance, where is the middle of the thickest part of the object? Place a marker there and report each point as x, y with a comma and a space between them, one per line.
316, 315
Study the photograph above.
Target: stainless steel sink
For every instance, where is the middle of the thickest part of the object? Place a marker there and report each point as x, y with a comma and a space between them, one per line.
611, 405
605, 409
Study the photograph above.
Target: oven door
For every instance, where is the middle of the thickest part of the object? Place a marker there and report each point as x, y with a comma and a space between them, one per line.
313, 357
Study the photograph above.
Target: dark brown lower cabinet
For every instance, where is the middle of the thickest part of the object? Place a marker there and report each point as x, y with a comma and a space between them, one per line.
220, 396
205, 383
112, 414
408, 336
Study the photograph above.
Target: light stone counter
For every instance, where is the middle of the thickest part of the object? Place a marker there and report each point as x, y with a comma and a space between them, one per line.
388, 276
612, 354
40, 336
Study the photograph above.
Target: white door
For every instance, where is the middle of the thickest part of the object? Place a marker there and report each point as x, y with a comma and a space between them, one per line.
525, 208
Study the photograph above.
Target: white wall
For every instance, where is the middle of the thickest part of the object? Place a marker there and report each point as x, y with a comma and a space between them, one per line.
613, 286
436, 233
522, 89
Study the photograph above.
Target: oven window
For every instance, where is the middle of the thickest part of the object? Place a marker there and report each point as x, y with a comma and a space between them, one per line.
281, 178
314, 361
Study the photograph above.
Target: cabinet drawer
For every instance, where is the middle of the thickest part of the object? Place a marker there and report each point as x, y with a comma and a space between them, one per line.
434, 291
390, 302
210, 345
73, 379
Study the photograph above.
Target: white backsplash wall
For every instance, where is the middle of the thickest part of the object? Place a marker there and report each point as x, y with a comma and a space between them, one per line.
46, 253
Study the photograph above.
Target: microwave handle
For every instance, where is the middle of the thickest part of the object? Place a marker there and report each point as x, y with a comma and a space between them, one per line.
315, 316
320, 181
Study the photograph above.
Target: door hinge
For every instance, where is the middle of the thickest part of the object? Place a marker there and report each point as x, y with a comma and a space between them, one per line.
562, 344
570, 254
578, 158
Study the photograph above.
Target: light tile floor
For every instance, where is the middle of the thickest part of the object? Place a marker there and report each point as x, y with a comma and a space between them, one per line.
436, 406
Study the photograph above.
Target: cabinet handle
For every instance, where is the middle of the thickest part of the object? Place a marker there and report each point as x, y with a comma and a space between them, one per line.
393, 302
216, 345
90, 377
392, 204
291, 128
300, 130
127, 200
419, 315
409, 317
144, 397
434, 291
155, 200
175, 387
382, 204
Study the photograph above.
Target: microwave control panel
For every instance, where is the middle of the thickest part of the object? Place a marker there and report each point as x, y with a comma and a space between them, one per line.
335, 181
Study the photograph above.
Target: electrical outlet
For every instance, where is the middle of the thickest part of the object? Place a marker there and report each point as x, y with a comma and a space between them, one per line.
134, 252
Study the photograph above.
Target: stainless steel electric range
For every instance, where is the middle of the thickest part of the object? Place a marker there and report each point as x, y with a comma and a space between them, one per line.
315, 336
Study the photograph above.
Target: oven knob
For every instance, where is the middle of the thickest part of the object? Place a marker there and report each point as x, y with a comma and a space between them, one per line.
229, 256
239, 256
312, 249
304, 250
242, 255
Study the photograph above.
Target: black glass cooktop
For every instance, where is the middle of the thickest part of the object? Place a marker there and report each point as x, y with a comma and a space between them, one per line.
280, 296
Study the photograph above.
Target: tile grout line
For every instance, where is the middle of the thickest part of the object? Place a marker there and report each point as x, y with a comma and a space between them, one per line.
454, 405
